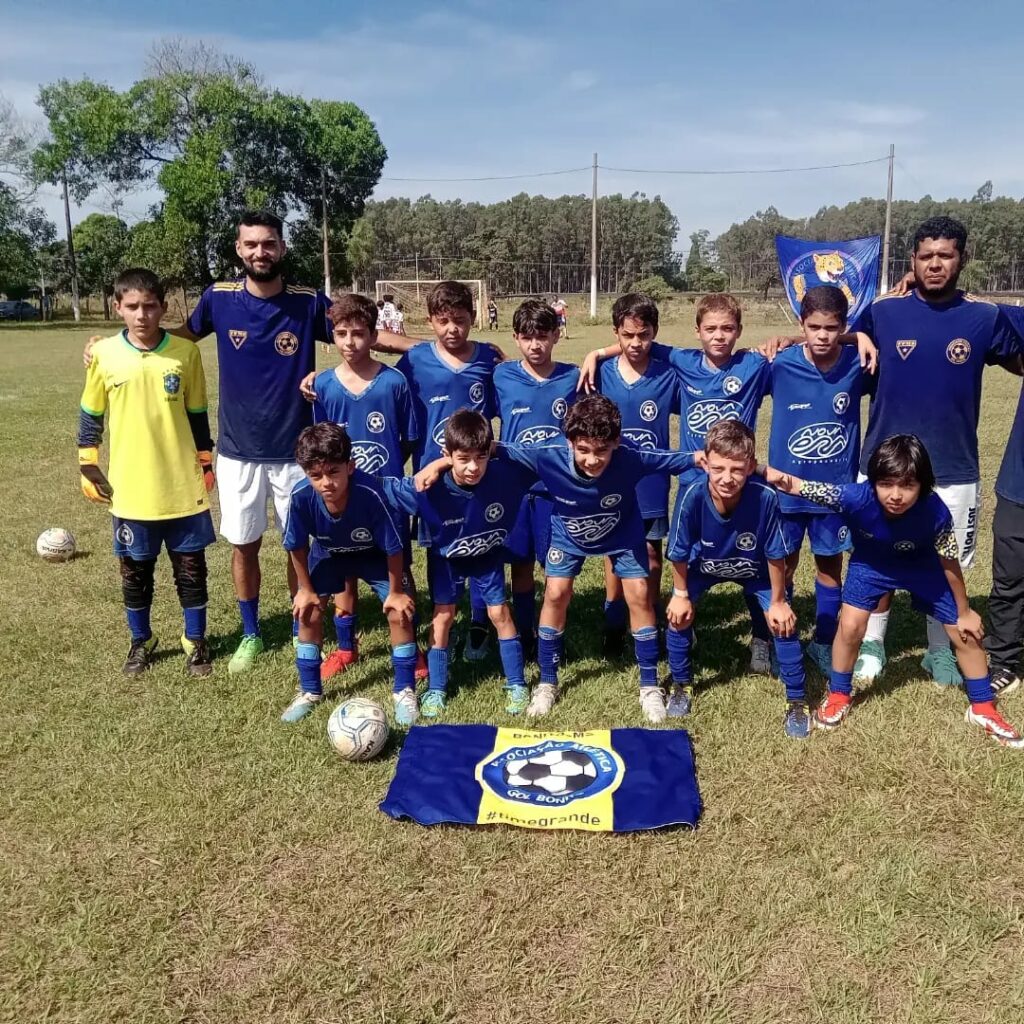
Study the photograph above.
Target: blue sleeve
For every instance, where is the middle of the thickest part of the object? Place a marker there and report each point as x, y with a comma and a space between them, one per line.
656, 460
408, 429
385, 528
662, 352
1006, 337
200, 323
681, 535
90, 429
297, 530
523, 455
763, 378
404, 367
400, 494
323, 331
865, 323
774, 539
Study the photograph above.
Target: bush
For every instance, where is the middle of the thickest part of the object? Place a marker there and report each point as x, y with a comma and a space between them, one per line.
654, 286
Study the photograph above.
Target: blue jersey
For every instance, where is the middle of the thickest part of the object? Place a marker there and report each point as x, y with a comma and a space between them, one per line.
647, 406
815, 420
710, 394
532, 410
1010, 482
930, 361
438, 391
265, 347
468, 525
735, 546
889, 543
594, 516
379, 420
366, 525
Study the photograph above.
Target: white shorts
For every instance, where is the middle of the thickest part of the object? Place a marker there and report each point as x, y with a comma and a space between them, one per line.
244, 487
964, 504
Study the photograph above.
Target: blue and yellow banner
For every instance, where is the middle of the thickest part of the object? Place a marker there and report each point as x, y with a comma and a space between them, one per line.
602, 780
851, 266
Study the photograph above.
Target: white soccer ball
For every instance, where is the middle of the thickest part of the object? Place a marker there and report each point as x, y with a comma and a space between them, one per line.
358, 729
56, 545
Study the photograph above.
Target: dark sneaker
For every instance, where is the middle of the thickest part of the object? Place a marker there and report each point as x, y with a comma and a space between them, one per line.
478, 643
1004, 681
140, 657
797, 723
680, 701
198, 659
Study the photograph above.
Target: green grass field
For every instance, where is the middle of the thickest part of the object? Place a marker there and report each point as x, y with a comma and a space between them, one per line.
169, 851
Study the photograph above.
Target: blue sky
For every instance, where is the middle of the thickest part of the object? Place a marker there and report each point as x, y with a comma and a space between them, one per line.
475, 87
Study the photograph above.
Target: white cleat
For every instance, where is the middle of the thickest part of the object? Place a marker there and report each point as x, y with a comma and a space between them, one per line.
542, 700
652, 703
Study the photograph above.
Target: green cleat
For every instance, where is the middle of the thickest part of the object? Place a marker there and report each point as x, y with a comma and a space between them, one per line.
245, 656
941, 665
432, 703
516, 699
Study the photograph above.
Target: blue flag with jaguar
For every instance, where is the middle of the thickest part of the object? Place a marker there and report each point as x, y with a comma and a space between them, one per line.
850, 266
602, 780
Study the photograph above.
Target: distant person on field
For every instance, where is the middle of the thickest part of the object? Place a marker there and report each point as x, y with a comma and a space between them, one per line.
492, 314
399, 319
561, 308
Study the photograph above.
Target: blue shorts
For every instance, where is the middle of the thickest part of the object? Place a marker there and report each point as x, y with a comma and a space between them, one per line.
329, 574
827, 533
698, 584
530, 536
141, 539
447, 581
656, 528
627, 563
929, 591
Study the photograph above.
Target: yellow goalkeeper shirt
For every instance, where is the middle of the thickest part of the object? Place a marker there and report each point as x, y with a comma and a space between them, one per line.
153, 467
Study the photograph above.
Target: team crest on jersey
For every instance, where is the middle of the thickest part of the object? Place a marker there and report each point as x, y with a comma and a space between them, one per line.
559, 407
476, 545
732, 385
958, 351
369, 456
591, 529
729, 568
704, 415
537, 435
844, 532
438, 435
746, 542
493, 512
361, 535
238, 338
476, 393
286, 344
841, 402
376, 422
610, 500
556, 556
818, 441
172, 382
638, 438
125, 535
648, 411
904, 545
905, 346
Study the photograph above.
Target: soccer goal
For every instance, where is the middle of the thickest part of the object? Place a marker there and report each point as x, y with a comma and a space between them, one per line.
413, 297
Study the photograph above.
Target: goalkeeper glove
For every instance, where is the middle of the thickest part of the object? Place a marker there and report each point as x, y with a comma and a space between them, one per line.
95, 486
206, 465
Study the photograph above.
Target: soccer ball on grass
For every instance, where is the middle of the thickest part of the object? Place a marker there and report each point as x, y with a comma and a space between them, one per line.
358, 729
56, 545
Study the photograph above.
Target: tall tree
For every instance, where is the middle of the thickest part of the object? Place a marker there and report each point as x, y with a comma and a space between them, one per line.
101, 242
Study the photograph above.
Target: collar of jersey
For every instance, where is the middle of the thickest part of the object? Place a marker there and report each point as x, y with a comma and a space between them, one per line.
710, 367
435, 349
164, 341
369, 386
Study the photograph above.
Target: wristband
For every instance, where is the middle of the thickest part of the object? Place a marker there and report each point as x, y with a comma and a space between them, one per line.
676, 592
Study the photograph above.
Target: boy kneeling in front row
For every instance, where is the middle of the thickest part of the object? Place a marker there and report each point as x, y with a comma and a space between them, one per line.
902, 540
726, 528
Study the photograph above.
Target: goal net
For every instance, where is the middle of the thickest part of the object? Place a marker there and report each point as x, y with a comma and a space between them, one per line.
413, 297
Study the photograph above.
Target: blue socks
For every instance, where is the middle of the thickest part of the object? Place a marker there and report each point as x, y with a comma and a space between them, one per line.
511, 652
195, 622
979, 691
138, 623
791, 666
403, 661
758, 624
645, 644
615, 614
828, 601
550, 642
841, 682
524, 612
345, 628
437, 667
250, 612
307, 661
678, 642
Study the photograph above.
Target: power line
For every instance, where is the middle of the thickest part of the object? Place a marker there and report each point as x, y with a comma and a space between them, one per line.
488, 177
759, 170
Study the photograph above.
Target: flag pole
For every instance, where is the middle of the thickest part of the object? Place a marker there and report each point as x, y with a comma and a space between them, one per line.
888, 224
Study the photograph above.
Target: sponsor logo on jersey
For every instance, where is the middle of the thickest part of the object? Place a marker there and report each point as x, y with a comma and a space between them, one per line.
640, 438
172, 382
536, 435
476, 545
610, 500
438, 435
369, 456
439, 398
587, 530
729, 568
476, 393
520, 410
958, 351
732, 385
648, 411
559, 407
361, 535
905, 346
376, 422
798, 405
904, 545
746, 542
238, 338
818, 441
693, 391
494, 512
841, 402
704, 415
286, 344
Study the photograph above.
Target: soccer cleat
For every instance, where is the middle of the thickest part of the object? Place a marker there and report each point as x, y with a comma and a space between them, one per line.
516, 699
829, 714
1004, 681
941, 665
820, 656
613, 642
407, 709
140, 657
797, 723
998, 728
337, 661
478, 643
652, 703
198, 659
302, 704
870, 661
433, 703
760, 657
542, 701
680, 701
422, 672
246, 654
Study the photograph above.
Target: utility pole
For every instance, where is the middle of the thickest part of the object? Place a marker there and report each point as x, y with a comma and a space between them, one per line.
593, 245
76, 307
323, 229
888, 223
